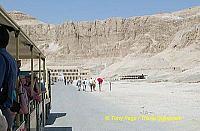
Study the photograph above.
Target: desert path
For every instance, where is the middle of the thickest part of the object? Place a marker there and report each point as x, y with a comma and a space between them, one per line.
86, 111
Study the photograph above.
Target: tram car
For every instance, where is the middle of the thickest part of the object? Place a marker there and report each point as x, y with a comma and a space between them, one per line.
22, 48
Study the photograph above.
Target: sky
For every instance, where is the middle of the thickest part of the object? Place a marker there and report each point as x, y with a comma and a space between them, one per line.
58, 11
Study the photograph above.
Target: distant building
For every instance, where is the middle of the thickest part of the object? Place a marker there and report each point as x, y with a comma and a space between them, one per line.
69, 72
130, 77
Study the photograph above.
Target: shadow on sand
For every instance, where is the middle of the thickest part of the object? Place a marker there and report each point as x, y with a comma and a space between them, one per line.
52, 118
58, 129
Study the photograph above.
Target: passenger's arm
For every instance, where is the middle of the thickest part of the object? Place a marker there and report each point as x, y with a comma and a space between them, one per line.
2, 70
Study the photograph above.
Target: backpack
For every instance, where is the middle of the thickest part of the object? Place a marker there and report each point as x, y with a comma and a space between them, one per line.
23, 100
36, 93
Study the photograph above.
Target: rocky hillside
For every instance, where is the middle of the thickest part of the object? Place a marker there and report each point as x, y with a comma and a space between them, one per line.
133, 45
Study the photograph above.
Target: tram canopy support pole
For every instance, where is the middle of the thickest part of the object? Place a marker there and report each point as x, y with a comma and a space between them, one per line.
44, 70
38, 104
40, 72
32, 84
17, 81
32, 73
43, 94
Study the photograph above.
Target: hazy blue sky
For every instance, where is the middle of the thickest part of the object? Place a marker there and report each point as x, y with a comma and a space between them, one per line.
58, 11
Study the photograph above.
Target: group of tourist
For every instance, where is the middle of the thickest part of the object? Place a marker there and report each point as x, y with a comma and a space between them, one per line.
91, 83
67, 82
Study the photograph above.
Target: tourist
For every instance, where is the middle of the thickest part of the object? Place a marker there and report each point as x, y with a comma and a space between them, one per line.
90, 83
78, 84
100, 81
27, 86
84, 84
94, 84
43, 88
65, 81
8, 78
36, 90
19, 66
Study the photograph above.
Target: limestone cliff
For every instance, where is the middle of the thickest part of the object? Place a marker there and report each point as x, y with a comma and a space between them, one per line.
117, 40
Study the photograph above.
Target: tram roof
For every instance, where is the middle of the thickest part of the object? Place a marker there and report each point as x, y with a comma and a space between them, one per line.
24, 41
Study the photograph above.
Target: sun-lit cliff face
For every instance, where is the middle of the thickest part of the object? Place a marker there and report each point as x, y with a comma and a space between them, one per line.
132, 45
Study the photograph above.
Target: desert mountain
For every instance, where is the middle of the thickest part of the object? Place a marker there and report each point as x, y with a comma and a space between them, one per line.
164, 46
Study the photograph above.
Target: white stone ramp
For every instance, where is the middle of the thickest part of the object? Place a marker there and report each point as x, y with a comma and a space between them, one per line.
85, 111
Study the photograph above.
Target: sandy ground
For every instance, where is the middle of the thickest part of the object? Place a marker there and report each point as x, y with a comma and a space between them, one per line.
86, 111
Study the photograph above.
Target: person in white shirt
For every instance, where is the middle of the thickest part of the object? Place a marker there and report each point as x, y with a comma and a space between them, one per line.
91, 83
